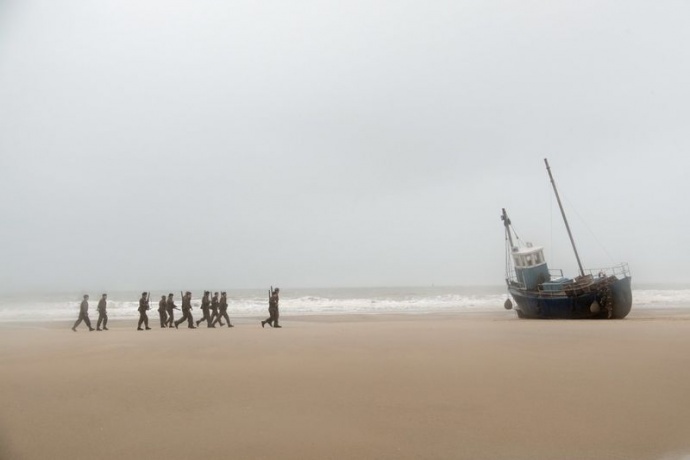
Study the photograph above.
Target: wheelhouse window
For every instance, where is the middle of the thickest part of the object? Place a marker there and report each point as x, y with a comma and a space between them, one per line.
529, 260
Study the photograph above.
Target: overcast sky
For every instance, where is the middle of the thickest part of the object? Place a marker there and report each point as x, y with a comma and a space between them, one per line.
165, 144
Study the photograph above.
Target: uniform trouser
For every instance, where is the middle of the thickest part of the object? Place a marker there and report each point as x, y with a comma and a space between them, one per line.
214, 315
171, 317
186, 315
102, 318
143, 319
83, 317
206, 317
273, 319
220, 316
164, 317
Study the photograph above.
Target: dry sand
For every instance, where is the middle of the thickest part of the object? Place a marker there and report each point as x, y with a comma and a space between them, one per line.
474, 386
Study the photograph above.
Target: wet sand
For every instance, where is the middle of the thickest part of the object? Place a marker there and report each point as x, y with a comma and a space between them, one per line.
465, 386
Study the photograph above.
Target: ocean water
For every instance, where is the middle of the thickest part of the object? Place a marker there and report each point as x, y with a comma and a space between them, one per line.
254, 302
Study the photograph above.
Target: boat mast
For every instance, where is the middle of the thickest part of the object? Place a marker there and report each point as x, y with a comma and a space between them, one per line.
565, 219
506, 222
509, 250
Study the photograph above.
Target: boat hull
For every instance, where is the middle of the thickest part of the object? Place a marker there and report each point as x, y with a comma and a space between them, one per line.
610, 299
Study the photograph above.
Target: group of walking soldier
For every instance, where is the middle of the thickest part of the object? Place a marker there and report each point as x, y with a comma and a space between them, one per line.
214, 310
84, 314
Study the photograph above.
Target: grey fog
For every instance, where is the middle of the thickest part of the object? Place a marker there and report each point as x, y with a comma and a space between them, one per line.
324, 144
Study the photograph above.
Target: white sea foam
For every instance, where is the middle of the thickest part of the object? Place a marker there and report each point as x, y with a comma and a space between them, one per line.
316, 301
661, 298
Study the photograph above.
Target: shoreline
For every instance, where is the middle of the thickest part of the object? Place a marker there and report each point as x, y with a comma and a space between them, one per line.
640, 313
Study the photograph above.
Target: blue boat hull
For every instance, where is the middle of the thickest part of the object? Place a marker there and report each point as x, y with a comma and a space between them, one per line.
613, 299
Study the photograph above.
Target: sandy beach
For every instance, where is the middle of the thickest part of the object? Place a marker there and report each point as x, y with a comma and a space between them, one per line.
465, 386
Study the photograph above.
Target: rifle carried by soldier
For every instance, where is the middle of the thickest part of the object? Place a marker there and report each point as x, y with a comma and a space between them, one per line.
272, 320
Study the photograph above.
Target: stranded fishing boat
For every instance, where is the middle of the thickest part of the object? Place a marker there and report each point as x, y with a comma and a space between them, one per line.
543, 293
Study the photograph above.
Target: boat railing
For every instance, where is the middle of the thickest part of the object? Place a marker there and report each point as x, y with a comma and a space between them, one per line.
512, 280
619, 271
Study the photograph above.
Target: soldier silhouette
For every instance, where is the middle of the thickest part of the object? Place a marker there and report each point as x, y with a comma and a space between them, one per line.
169, 307
205, 307
143, 306
83, 314
273, 311
162, 307
214, 310
223, 310
102, 313
186, 311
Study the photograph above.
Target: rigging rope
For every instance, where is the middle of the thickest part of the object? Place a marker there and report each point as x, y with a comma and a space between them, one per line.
601, 246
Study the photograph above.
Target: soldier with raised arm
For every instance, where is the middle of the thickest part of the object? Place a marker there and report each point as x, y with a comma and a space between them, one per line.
273, 300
